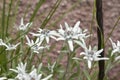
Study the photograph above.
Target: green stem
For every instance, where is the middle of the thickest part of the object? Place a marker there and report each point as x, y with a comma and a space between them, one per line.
67, 67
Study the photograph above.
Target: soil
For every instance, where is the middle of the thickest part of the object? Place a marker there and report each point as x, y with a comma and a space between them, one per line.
81, 11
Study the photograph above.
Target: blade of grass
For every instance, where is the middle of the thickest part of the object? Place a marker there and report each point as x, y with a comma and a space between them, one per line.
64, 14
8, 17
36, 9
92, 21
86, 74
115, 25
52, 11
3, 20
3, 56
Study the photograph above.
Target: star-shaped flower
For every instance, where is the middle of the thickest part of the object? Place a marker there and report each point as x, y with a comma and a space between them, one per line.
71, 34
116, 47
2, 43
35, 76
23, 26
45, 34
21, 71
35, 46
92, 55
11, 46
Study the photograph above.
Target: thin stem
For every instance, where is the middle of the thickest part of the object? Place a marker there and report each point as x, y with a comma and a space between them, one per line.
115, 25
67, 67
8, 17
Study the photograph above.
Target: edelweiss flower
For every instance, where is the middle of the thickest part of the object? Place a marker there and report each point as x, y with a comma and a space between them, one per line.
3, 78
21, 71
116, 47
2, 43
92, 55
21, 68
35, 46
34, 76
51, 67
45, 34
11, 46
23, 75
22, 26
71, 34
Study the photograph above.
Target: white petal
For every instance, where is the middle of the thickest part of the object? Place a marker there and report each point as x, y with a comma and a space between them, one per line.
48, 77
47, 39
76, 27
28, 40
113, 44
22, 21
98, 52
114, 51
61, 38
118, 57
82, 53
70, 43
98, 59
89, 64
67, 26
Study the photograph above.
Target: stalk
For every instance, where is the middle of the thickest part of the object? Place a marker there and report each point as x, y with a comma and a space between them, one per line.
100, 34
67, 67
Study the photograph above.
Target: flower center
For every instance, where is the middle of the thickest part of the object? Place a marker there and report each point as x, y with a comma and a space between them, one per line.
45, 32
68, 34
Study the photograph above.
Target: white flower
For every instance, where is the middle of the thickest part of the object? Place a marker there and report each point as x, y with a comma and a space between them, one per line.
11, 46
21, 68
2, 43
34, 76
71, 34
21, 71
22, 26
35, 46
51, 67
3, 78
92, 55
116, 47
45, 34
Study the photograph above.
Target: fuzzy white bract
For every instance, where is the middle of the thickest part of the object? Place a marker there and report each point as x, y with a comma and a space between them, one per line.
11, 46
35, 46
22, 26
116, 48
92, 55
2, 43
45, 34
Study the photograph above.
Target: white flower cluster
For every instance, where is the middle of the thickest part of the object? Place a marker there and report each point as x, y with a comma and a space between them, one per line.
8, 45
69, 34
